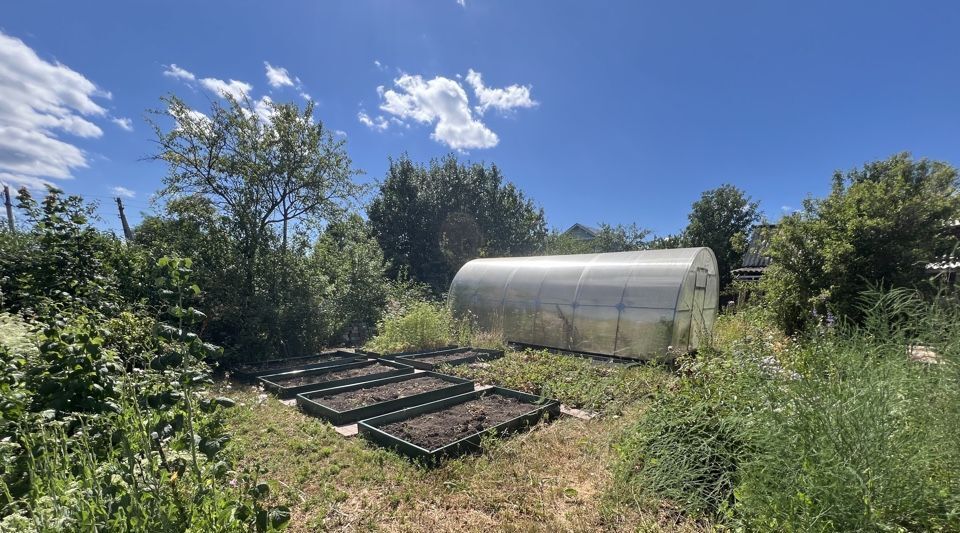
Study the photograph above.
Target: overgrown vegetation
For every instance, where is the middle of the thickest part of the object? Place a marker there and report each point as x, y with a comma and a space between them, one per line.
104, 420
582, 383
838, 430
830, 406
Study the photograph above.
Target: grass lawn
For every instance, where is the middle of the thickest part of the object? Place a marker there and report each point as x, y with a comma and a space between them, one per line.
552, 478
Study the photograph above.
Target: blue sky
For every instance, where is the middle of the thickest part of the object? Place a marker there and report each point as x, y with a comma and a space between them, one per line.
600, 111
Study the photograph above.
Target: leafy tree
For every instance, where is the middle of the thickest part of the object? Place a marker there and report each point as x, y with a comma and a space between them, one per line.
352, 262
721, 220
191, 226
247, 188
431, 219
258, 171
880, 225
619, 238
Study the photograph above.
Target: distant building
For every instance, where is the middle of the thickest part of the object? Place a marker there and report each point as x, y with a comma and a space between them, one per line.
581, 233
755, 259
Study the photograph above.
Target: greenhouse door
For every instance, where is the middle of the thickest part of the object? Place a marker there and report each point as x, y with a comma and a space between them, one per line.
696, 313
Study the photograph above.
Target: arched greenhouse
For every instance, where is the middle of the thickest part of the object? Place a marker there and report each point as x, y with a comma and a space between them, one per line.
627, 304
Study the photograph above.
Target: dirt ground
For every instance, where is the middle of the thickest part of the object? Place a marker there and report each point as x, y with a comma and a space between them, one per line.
347, 400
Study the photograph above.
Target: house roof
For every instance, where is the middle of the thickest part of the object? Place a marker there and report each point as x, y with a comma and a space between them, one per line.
756, 254
587, 229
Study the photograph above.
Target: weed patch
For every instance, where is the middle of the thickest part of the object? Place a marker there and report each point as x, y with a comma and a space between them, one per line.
573, 381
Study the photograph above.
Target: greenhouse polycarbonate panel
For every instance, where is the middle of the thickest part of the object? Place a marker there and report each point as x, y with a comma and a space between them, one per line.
629, 304
644, 333
596, 328
520, 317
603, 283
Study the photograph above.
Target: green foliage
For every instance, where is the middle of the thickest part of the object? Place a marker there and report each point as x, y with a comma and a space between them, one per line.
352, 263
689, 446
419, 326
246, 192
577, 382
666, 242
93, 441
609, 238
880, 225
60, 259
838, 430
721, 220
432, 219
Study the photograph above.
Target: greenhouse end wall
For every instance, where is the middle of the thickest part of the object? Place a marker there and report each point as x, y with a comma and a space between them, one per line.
641, 305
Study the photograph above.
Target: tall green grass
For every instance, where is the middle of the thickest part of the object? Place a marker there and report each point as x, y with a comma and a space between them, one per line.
838, 430
423, 325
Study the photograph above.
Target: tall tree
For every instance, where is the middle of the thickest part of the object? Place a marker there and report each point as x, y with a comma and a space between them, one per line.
721, 220
430, 219
278, 166
880, 225
270, 171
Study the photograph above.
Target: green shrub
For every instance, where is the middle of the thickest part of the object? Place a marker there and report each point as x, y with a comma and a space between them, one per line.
421, 325
879, 225
867, 438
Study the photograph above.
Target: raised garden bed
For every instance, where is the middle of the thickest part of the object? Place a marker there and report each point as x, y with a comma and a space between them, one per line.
251, 371
457, 356
454, 426
289, 384
342, 405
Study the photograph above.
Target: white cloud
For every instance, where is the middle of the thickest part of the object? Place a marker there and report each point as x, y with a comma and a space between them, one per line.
379, 65
442, 101
264, 108
462, 3
174, 71
278, 76
239, 90
379, 123
306, 96
123, 191
505, 99
39, 101
123, 122
340, 133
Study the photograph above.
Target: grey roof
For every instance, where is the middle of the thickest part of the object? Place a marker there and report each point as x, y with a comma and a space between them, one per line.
588, 229
756, 254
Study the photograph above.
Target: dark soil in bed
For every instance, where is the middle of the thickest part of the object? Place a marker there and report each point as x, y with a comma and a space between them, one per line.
310, 379
345, 401
443, 357
258, 367
434, 430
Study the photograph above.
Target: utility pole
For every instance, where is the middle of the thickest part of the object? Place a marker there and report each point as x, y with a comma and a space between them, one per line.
6, 195
127, 234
